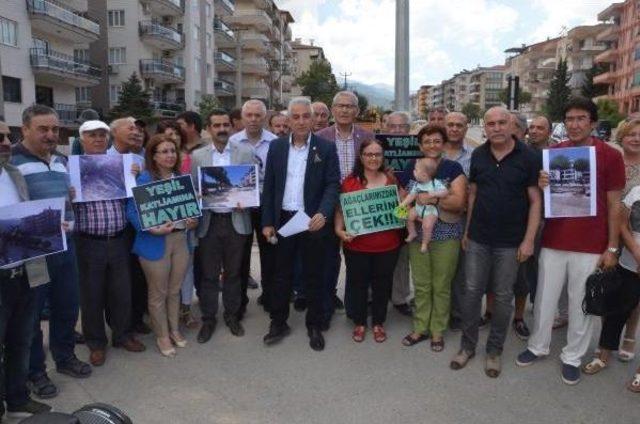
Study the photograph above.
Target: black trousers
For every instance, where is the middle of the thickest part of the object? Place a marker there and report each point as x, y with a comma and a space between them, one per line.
267, 262
627, 297
139, 292
310, 245
105, 285
221, 248
373, 270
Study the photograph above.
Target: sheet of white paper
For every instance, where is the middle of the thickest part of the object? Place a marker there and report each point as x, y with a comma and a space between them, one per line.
129, 178
297, 224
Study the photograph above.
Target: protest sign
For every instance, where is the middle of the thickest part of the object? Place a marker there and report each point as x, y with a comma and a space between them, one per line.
230, 185
30, 230
371, 210
101, 177
169, 200
399, 150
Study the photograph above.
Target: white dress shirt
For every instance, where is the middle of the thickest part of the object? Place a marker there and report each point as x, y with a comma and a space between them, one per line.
293, 199
221, 159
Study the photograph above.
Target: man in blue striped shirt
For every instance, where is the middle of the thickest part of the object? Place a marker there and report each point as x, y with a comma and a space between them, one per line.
46, 176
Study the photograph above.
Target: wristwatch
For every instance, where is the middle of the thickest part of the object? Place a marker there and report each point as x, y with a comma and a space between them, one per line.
613, 250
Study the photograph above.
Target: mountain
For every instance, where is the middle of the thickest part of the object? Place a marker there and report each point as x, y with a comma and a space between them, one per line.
377, 94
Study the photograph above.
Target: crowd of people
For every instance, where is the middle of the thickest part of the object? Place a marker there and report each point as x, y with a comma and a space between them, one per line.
476, 230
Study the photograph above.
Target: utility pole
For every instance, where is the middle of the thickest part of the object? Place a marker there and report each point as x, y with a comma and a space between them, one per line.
345, 75
402, 55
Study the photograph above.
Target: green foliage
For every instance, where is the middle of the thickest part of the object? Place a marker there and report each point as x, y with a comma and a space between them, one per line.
588, 89
363, 103
319, 82
608, 110
581, 165
559, 93
208, 103
560, 162
524, 97
472, 111
134, 101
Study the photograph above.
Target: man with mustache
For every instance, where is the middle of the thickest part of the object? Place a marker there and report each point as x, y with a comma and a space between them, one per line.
222, 233
18, 305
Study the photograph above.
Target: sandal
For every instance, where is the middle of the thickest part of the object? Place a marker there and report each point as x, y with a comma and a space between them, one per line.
409, 340
379, 335
358, 333
595, 366
627, 355
634, 384
437, 345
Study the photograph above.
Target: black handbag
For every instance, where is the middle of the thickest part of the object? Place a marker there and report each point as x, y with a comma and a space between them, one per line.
601, 293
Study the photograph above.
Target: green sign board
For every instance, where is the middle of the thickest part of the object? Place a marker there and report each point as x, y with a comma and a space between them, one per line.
371, 210
399, 150
169, 200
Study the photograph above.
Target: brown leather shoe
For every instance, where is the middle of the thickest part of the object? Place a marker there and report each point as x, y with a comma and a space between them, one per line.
132, 345
97, 357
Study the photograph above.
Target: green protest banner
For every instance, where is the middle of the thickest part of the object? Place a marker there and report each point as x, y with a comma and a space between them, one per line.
371, 210
399, 150
169, 200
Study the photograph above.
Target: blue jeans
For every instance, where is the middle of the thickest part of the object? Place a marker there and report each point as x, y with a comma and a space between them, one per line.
17, 312
494, 268
63, 291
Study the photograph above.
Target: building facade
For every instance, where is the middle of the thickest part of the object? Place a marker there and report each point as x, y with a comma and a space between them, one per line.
579, 48
485, 86
303, 55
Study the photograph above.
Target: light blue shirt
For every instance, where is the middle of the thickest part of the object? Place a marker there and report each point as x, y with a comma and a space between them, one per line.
260, 149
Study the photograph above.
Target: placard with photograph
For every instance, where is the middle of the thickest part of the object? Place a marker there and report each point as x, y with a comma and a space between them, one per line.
170, 200
31, 229
572, 182
101, 177
228, 186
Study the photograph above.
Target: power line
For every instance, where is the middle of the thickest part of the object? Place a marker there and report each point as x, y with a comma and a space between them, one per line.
345, 75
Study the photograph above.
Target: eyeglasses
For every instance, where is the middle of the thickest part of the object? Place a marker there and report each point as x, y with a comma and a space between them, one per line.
166, 152
431, 142
372, 155
344, 106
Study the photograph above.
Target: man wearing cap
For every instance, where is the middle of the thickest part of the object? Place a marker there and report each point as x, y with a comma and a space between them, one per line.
103, 262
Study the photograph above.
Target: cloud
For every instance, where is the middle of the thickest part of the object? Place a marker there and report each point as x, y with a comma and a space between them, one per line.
563, 14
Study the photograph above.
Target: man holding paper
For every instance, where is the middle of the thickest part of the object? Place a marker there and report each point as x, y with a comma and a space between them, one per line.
222, 232
302, 177
103, 261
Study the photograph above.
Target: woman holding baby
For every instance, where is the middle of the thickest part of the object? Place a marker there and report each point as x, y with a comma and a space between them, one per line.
433, 263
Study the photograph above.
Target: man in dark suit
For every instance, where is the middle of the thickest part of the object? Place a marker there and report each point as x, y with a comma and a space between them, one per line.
302, 174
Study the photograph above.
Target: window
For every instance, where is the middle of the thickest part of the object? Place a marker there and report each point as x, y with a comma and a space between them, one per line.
8, 32
114, 93
198, 65
207, 8
208, 70
12, 89
209, 43
83, 95
196, 32
198, 98
117, 55
116, 18
636, 55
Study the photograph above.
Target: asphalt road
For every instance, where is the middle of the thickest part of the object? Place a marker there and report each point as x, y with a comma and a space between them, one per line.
234, 380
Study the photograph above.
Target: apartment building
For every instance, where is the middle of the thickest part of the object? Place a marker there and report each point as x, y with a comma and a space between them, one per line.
485, 85
534, 65
459, 94
620, 59
422, 101
435, 96
579, 48
258, 61
302, 57
44, 50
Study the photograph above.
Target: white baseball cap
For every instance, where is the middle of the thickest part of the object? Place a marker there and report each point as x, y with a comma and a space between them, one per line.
93, 125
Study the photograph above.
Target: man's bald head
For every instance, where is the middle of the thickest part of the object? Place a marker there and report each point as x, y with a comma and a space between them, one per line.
456, 125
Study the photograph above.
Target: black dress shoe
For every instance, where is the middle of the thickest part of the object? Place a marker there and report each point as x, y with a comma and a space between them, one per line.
141, 328
300, 304
206, 331
276, 333
234, 326
325, 325
316, 340
404, 309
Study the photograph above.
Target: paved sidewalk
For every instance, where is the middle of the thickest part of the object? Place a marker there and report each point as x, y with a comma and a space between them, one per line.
238, 380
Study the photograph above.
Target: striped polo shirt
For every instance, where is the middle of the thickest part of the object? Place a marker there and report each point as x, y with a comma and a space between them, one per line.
45, 180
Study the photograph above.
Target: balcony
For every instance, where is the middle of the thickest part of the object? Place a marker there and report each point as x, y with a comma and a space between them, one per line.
613, 11
224, 7
592, 48
162, 71
607, 56
609, 34
164, 7
260, 92
605, 78
68, 114
52, 19
261, 4
166, 109
225, 38
255, 41
58, 68
255, 66
160, 36
224, 62
224, 88
258, 20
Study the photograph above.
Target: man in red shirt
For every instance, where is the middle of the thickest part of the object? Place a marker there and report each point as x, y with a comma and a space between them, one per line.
572, 248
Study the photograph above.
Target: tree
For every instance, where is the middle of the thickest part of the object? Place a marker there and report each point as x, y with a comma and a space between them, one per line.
581, 165
524, 97
560, 162
559, 93
363, 103
608, 111
472, 111
208, 103
319, 82
588, 89
134, 101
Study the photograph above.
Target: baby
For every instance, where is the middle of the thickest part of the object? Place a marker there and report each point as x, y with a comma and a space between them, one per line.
424, 173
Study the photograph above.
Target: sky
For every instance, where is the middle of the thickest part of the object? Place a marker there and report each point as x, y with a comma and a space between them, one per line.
446, 36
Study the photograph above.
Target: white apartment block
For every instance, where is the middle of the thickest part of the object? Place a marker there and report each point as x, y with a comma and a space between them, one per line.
44, 58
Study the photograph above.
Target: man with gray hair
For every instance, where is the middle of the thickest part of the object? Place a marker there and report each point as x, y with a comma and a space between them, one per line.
258, 139
321, 116
347, 136
127, 138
